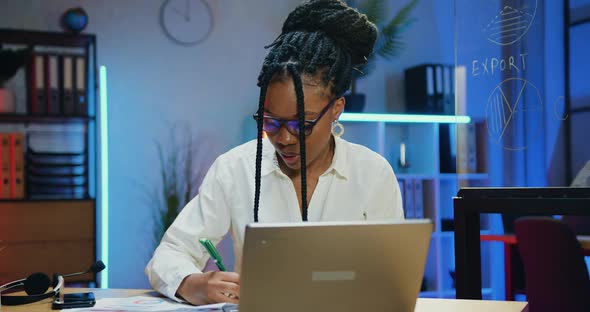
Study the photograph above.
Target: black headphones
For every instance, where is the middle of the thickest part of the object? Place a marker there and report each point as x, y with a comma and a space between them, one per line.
37, 284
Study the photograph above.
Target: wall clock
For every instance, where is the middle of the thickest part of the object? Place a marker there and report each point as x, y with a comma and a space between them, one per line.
186, 22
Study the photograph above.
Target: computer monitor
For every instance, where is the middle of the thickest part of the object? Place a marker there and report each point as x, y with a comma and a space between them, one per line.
333, 266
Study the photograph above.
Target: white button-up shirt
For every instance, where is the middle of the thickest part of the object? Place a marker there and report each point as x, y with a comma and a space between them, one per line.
358, 185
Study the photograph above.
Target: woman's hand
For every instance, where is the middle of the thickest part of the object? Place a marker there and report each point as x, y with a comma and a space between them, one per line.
210, 287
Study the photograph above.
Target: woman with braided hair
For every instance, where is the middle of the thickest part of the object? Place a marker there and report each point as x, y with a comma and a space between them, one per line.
302, 171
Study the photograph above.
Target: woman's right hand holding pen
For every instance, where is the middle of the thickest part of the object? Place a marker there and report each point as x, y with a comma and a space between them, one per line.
210, 287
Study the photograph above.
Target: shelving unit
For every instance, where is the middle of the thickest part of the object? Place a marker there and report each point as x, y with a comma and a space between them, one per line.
464, 176
53, 232
450, 294
32, 119
422, 147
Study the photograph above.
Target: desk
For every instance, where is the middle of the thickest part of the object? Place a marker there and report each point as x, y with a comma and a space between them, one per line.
423, 304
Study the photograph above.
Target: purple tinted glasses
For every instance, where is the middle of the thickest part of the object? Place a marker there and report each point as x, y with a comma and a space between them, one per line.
272, 125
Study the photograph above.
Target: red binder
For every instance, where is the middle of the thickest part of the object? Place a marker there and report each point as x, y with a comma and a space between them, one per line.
4, 166
16, 165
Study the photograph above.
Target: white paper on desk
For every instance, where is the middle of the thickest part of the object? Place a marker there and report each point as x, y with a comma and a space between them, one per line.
146, 304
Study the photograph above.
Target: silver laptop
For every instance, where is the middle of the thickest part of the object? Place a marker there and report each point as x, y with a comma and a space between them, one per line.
336, 266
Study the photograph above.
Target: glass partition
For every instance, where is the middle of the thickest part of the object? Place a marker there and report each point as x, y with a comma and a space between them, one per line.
509, 78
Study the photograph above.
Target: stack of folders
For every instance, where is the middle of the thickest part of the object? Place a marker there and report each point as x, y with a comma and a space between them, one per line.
412, 198
458, 148
56, 173
430, 89
57, 84
12, 173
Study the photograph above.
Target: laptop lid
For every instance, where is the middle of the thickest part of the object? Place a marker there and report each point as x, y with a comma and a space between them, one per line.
333, 266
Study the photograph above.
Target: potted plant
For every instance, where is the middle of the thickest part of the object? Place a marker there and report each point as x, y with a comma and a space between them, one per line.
183, 162
389, 44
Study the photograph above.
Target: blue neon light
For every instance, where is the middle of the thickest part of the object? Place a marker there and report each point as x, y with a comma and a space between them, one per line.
403, 118
104, 178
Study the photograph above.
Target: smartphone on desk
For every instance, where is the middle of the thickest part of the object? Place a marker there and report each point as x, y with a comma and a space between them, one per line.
75, 300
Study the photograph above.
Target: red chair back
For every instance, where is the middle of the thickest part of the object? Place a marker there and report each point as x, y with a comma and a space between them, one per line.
555, 271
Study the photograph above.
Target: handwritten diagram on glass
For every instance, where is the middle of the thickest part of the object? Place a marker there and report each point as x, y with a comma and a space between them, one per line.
512, 102
511, 23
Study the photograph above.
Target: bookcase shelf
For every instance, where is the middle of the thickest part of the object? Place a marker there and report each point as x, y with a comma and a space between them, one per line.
56, 213
45, 200
422, 142
46, 236
451, 234
415, 176
464, 176
46, 38
450, 293
43, 119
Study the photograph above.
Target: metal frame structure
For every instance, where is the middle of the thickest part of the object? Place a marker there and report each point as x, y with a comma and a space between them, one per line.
470, 203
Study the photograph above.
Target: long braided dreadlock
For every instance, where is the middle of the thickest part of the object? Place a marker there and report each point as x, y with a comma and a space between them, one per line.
324, 37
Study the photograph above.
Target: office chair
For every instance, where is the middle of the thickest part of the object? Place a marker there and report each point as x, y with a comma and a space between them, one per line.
555, 271
514, 269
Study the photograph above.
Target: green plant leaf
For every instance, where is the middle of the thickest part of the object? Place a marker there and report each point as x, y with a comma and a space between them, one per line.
389, 43
172, 202
390, 47
188, 168
374, 9
403, 15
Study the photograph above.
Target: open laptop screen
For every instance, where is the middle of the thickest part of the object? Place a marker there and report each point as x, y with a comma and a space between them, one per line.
333, 266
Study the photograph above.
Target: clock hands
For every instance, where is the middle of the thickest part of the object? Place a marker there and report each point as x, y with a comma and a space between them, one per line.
188, 10
177, 11
186, 13
180, 26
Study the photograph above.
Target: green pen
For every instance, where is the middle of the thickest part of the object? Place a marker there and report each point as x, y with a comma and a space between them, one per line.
213, 253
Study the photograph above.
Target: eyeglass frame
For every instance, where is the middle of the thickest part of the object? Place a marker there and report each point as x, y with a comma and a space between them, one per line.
310, 123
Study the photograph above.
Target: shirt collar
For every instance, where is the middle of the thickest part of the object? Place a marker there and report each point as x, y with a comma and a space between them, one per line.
340, 158
270, 162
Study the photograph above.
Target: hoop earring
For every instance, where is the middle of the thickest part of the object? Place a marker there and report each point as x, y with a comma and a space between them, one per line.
337, 129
